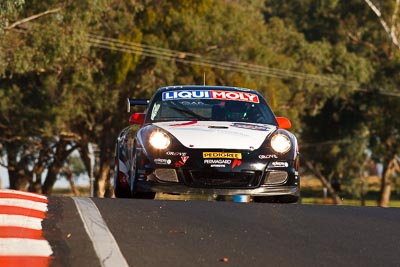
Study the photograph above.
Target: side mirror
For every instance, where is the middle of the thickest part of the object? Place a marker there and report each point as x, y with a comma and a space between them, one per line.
283, 123
137, 118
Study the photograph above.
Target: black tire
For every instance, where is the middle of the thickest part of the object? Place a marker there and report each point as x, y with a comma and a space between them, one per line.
119, 190
132, 181
144, 195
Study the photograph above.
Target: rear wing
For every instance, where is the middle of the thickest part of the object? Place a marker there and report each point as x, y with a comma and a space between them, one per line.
136, 102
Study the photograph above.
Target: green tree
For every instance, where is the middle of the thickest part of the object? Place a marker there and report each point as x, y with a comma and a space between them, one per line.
372, 64
8, 10
66, 69
42, 50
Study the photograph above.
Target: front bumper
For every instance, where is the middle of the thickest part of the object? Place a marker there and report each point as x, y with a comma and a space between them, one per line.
174, 188
277, 177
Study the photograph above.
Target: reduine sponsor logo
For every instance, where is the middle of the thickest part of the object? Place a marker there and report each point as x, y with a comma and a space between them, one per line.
223, 155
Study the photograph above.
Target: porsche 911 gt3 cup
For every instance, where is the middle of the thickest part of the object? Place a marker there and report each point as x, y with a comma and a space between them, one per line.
212, 140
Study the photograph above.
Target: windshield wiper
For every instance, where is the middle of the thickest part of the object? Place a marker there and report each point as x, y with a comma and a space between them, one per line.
188, 111
183, 109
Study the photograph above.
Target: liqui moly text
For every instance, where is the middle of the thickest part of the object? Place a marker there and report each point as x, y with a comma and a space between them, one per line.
210, 94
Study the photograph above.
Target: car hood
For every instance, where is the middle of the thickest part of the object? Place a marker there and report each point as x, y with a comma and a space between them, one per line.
217, 134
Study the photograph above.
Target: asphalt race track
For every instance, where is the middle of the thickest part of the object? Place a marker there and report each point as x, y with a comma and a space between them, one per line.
39, 231
130, 232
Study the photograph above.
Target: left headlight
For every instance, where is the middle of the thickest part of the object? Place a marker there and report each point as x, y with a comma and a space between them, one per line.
159, 140
280, 143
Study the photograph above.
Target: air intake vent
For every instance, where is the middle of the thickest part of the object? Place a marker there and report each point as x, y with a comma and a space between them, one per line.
166, 175
244, 179
276, 177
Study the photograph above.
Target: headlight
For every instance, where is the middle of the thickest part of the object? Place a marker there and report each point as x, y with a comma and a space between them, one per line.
159, 140
280, 143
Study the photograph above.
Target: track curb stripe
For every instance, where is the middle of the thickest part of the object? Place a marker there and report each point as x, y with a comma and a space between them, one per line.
21, 221
21, 233
104, 242
23, 195
30, 247
15, 210
14, 261
24, 203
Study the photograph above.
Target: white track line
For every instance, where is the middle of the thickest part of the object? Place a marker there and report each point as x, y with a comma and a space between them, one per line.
24, 247
104, 242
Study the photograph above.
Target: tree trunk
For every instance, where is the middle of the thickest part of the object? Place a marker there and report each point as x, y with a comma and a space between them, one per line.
51, 178
60, 156
36, 186
386, 184
70, 179
17, 180
85, 156
336, 199
102, 183
363, 192
109, 191
38, 168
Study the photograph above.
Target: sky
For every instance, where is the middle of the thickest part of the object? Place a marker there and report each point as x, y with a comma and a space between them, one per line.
4, 178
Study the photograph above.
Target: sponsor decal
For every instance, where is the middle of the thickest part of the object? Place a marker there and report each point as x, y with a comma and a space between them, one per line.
222, 155
210, 94
178, 164
184, 159
279, 164
217, 163
236, 163
268, 156
173, 153
162, 161
221, 163
181, 162
250, 126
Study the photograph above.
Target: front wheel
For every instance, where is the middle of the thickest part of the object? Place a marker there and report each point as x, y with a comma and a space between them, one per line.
144, 195
133, 179
121, 186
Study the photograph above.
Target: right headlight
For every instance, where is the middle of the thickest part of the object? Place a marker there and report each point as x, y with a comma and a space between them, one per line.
280, 143
159, 140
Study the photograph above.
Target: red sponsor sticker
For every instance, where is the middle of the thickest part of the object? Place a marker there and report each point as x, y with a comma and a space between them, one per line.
233, 95
236, 163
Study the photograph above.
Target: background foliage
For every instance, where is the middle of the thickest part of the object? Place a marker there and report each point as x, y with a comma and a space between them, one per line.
66, 68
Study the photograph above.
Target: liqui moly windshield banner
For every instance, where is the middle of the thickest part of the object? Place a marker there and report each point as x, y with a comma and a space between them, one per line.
210, 94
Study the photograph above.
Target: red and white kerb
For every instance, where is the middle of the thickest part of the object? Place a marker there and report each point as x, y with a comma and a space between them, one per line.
21, 236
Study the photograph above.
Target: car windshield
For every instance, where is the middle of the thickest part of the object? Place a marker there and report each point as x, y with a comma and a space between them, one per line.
201, 107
